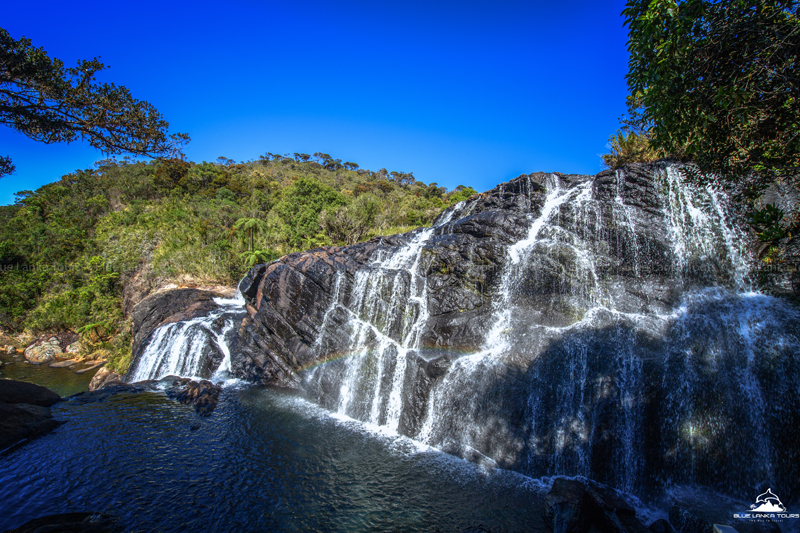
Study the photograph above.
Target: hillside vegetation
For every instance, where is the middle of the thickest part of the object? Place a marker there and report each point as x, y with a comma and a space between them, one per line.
74, 253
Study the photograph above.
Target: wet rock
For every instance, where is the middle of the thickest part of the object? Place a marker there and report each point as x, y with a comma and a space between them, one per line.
11, 350
576, 506
289, 300
103, 378
166, 307
71, 522
203, 394
12, 391
175, 316
25, 412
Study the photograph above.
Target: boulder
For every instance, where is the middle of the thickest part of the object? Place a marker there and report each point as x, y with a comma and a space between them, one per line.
11, 350
203, 394
22, 392
576, 506
25, 412
104, 377
46, 348
43, 352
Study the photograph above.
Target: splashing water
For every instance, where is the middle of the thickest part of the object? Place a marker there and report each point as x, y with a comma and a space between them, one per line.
196, 348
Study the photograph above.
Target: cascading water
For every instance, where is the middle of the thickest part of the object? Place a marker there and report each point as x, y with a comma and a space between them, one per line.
623, 345
386, 308
197, 348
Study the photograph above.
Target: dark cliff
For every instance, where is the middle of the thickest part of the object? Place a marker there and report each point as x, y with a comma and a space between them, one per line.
289, 299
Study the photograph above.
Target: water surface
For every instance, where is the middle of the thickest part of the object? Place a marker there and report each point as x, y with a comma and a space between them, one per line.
62, 381
265, 460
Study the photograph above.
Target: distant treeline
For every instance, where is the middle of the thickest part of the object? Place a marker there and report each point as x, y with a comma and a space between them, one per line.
68, 249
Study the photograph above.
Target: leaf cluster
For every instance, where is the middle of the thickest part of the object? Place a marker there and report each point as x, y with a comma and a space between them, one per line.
719, 82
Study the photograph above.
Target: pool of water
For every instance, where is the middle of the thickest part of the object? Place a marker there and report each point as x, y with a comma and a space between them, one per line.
62, 381
265, 460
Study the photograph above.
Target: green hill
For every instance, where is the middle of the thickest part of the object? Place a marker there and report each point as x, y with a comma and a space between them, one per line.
77, 254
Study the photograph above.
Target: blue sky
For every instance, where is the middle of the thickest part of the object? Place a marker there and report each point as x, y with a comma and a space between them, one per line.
471, 93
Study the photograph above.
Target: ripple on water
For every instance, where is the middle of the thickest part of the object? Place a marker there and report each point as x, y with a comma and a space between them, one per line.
266, 459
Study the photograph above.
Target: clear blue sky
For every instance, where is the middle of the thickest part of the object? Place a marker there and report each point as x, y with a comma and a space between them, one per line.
458, 92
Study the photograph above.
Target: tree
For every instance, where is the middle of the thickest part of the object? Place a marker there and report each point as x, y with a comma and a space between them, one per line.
718, 82
251, 226
49, 103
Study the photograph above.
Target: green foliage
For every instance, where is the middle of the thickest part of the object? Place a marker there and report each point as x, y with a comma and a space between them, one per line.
718, 85
68, 249
250, 226
254, 257
42, 99
350, 223
629, 147
768, 223
460, 194
719, 82
301, 204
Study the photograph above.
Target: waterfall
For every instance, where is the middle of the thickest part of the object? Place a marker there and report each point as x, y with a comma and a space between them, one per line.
386, 310
196, 348
625, 343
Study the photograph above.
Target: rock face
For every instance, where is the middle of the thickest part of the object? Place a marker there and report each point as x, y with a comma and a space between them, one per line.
24, 411
182, 332
104, 377
167, 307
289, 299
601, 326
